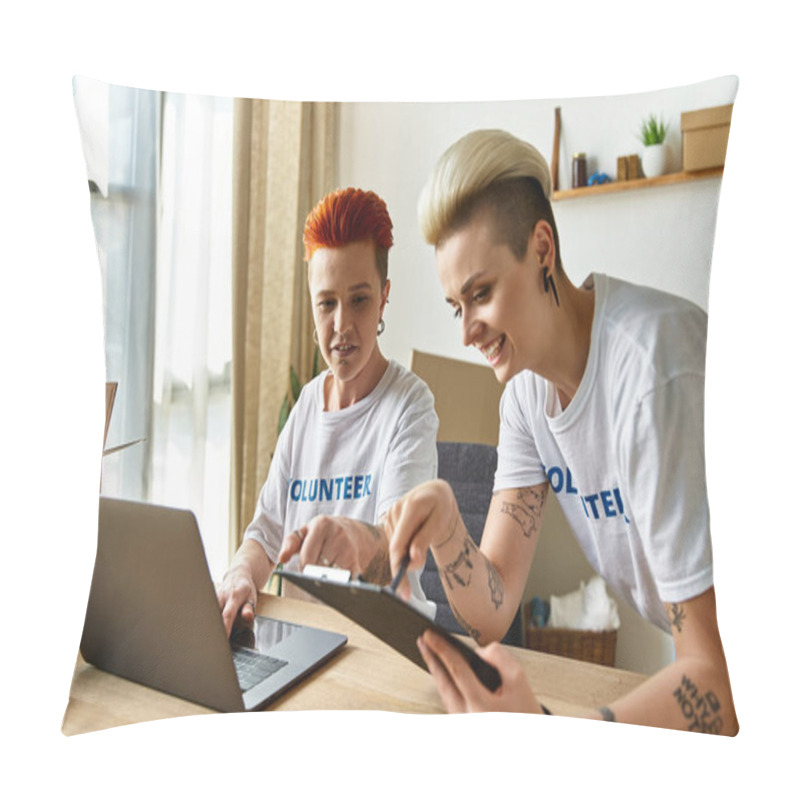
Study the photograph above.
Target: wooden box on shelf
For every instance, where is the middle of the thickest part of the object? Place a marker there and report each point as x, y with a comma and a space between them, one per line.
628, 168
705, 137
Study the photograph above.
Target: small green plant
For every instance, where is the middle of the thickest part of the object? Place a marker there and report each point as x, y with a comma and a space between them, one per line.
292, 396
653, 131
276, 573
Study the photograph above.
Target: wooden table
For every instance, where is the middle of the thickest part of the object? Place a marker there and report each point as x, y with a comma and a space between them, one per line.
367, 674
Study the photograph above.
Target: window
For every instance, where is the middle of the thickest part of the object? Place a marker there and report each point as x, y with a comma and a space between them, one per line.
163, 228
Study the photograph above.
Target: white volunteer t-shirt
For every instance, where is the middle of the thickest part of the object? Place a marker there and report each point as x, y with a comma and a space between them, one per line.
355, 462
625, 458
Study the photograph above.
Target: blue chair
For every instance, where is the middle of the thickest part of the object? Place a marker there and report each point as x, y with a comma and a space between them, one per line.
469, 469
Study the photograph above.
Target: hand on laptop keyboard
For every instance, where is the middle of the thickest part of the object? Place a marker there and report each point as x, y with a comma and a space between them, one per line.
238, 592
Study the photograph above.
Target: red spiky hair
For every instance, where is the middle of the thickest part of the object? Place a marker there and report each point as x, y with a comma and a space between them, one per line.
346, 216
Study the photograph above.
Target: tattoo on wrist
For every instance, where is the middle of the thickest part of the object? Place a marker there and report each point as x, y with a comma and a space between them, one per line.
607, 714
460, 569
677, 615
527, 511
376, 532
495, 585
451, 528
700, 710
378, 570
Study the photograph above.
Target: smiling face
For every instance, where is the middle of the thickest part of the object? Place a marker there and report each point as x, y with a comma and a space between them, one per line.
501, 301
348, 304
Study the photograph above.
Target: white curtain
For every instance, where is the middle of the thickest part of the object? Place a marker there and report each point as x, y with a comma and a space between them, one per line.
192, 343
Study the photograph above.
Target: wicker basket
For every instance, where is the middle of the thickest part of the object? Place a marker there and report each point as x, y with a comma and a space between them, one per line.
598, 647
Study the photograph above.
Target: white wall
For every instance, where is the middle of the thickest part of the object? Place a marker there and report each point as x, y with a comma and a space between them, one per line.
661, 236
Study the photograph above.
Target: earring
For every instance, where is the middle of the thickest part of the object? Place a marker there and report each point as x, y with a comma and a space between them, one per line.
381, 326
549, 283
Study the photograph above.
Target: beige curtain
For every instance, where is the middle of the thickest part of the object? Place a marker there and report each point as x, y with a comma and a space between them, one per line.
284, 162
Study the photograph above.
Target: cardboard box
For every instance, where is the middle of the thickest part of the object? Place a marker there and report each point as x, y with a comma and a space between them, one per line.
466, 397
705, 137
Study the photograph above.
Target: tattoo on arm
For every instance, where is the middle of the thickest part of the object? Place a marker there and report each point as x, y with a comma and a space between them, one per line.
495, 585
676, 616
460, 569
700, 710
473, 632
452, 528
527, 511
378, 570
607, 714
520, 516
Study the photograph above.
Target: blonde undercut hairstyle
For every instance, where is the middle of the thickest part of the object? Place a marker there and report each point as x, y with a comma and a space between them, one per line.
494, 171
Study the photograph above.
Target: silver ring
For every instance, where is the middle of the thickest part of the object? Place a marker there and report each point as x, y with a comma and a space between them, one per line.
324, 561
300, 536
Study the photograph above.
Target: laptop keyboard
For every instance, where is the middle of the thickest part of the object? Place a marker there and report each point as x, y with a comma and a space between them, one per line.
252, 667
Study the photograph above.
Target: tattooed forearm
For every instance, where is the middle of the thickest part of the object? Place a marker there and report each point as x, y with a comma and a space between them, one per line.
460, 569
378, 570
459, 573
495, 585
676, 616
699, 710
527, 511
473, 632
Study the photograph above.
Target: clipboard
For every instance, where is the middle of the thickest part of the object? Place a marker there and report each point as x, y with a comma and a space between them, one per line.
390, 618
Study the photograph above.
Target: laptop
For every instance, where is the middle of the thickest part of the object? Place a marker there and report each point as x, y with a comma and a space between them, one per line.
153, 617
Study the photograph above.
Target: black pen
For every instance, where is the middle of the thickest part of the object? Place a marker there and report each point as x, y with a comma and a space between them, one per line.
400, 574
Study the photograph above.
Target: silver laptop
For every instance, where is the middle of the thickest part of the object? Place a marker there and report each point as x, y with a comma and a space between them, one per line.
153, 617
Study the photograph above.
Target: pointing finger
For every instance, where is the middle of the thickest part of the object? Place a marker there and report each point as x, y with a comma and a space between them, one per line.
410, 522
292, 544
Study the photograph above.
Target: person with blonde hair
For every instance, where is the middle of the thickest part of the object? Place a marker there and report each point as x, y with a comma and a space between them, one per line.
361, 434
603, 406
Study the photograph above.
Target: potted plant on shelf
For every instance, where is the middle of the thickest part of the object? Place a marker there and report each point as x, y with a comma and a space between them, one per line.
654, 158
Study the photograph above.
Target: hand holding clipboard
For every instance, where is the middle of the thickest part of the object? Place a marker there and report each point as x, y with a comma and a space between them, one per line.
386, 615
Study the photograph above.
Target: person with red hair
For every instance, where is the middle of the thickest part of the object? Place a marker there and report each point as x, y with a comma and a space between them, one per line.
362, 433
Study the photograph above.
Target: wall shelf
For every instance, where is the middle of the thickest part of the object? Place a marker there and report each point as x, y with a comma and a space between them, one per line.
638, 183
